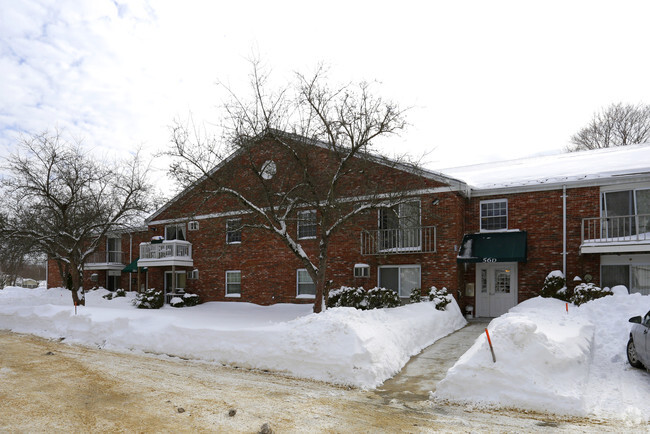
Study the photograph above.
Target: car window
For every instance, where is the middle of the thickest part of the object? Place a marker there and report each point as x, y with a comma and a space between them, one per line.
646, 319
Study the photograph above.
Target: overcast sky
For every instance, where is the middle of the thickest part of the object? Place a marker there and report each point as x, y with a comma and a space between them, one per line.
487, 80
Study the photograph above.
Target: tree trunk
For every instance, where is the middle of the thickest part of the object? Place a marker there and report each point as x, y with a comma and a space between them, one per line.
74, 283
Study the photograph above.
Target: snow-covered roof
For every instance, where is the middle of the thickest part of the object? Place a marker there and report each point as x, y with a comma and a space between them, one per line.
597, 166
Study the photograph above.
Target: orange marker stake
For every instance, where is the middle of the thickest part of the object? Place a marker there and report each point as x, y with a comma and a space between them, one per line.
567, 308
494, 359
75, 307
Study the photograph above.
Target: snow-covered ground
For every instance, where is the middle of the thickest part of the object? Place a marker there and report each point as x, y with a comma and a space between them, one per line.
549, 360
342, 345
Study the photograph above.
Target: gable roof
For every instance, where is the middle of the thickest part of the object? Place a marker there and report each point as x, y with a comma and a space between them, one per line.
585, 168
454, 184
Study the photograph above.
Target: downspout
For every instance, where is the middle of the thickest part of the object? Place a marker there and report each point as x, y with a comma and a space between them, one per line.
564, 252
47, 272
130, 259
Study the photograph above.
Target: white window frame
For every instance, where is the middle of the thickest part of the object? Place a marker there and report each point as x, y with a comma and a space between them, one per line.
234, 294
193, 226
233, 231
624, 260
177, 226
364, 270
404, 238
193, 275
399, 281
480, 212
302, 225
298, 283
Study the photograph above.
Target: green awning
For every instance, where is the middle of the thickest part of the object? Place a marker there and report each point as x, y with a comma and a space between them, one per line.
493, 247
131, 268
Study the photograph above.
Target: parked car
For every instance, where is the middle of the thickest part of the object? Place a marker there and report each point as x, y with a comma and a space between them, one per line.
638, 347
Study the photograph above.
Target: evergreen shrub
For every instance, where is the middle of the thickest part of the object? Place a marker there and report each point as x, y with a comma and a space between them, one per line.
150, 299
588, 291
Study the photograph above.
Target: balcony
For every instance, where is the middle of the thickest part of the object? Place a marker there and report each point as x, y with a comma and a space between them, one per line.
166, 253
104, 261
630, 233
398, 241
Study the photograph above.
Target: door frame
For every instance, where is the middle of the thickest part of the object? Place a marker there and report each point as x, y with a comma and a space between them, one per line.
483, 300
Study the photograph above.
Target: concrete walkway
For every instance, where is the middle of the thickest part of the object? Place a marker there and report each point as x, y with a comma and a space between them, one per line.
421, 374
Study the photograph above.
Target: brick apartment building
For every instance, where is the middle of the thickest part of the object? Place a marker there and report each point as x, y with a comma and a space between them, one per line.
489, 233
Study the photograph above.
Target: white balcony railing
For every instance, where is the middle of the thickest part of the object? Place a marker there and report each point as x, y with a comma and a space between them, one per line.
616, 230
165, 251
398, 241
105, 258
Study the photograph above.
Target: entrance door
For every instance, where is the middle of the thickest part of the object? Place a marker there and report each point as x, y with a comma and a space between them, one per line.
496, 288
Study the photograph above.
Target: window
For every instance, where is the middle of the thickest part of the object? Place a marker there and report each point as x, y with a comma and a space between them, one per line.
306, 287
361, 270
114, 250
307, 224
399, 227
632, 271
193, 275
401, 278
233, 231
233, 283
193, 226
494, 215
628, 212
175, 232
268, 170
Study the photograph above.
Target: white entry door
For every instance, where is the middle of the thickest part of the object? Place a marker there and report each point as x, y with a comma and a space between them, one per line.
496, 288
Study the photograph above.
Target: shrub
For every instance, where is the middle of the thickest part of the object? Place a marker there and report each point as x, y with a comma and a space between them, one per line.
191, 299
347, 297
150, 299
186, 300
586, 292
416, 296
440, 297
555, 286
376, 298
382, 297
118, 293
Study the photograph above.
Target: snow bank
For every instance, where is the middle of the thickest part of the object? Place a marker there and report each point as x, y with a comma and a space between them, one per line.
342, 345
551, 361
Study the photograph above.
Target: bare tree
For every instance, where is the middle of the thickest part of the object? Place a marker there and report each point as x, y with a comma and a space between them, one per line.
62, 202
617, 125
329, 137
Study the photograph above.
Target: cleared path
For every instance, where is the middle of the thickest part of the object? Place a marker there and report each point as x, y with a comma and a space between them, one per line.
424, 371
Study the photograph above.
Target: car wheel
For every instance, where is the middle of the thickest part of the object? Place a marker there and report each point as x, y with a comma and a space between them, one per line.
631, 355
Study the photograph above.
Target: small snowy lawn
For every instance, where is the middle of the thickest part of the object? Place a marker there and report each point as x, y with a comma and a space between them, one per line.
551, 361
341, 345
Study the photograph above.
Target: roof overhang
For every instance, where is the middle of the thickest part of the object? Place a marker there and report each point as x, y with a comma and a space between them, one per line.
493, 247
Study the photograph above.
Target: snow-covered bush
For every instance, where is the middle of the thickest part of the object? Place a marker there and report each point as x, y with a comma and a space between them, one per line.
150, 299
382, 297
118, 293
555, 286
416, 296
376, 298
588, 291
186, 300
440, 297
191, 299
347, 297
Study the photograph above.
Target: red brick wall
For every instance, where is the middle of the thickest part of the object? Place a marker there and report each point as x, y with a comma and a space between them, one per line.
540, 215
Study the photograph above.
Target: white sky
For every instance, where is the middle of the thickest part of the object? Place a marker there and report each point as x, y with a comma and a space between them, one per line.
488, 80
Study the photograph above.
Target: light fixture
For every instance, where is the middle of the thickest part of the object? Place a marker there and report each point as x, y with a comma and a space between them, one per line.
435, 201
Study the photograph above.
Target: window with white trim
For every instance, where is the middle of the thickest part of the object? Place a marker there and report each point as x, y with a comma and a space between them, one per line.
193, 225
494, 215
179, 286
193, 275
307, 224
400, 278
361, 270
233, 231
233, 283
175, 232
305, 287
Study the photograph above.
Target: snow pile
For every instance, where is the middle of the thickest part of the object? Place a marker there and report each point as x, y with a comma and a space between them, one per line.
549, 360
341, 345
